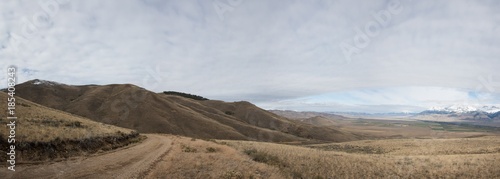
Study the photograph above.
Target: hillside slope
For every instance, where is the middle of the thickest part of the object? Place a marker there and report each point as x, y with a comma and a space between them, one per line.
43, 133
307, 114
256, 116
319, 121
136, 108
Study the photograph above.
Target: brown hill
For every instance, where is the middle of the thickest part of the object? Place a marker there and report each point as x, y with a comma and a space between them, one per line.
306, 114
256, 116
43, 133
319, 121
136, 108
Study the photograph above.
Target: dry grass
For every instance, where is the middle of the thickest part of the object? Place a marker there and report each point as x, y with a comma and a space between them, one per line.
196, 158
41, 130
403, 147
42, 124
419, 158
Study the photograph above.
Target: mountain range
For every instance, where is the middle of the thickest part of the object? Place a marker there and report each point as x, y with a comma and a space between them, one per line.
133, 107
465, 112
465, 109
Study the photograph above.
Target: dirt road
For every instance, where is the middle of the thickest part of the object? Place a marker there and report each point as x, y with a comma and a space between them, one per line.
131, 162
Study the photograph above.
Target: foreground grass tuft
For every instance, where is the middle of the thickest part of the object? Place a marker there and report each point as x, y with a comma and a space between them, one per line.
401, 158
189, 149
263, 157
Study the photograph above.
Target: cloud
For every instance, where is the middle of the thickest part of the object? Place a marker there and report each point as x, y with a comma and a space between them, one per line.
260, 51
379, 100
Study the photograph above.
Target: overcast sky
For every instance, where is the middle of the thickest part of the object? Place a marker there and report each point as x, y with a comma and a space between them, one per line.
365, 56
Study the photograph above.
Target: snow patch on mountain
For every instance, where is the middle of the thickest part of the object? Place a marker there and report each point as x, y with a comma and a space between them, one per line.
44, 82
490, 109
466, 109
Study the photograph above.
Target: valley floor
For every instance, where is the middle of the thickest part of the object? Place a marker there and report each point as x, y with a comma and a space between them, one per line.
390, 158
169, 156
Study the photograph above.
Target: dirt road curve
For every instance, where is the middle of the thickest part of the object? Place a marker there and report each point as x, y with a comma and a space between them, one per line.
132, 162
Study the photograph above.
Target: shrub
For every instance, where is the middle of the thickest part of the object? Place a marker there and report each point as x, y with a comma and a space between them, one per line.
188, 149
232, 175
186, 95
75, 124
263, 157
211, 150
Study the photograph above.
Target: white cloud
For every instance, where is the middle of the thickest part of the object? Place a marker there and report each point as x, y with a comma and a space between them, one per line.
395, 99
261, 51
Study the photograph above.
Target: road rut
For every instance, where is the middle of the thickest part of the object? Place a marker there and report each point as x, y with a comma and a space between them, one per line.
132, 162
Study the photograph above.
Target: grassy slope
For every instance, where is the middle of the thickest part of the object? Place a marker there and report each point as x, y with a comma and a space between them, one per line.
319, 121
417, 158
45, 133
195, 158
251, 114
136, 108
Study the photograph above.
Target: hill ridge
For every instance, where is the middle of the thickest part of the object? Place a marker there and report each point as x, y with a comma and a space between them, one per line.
133, 107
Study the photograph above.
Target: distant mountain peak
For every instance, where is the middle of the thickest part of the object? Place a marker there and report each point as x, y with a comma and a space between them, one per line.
44, 82
465, 109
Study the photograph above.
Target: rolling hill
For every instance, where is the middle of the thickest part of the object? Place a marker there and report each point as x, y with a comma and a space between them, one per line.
319, 121
130, 106
307, 114
43, 133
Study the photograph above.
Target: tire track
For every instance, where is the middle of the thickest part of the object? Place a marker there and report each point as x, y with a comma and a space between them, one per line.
154, 164
134, 162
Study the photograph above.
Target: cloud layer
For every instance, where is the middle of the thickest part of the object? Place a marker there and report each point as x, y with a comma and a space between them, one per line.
270, 53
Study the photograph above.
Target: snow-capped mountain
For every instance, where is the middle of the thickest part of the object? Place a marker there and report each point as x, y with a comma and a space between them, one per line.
483, 113
44, 82
463, 109
454, 109
490, 109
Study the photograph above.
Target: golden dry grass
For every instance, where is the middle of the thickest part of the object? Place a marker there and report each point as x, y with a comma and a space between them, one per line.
43, 133
196, 158
42, 124
479, 145
412, 158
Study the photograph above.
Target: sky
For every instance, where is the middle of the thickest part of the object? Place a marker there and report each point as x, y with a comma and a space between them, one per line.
319, 55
